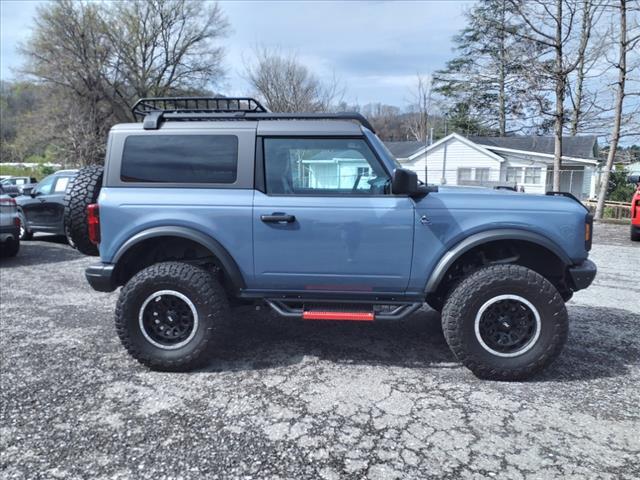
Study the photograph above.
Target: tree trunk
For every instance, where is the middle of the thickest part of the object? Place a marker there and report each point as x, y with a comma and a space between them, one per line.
560, 90
615, 133
577, 112
502, 114
585, 33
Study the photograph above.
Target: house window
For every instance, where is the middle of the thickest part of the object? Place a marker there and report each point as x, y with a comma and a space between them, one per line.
363, 171
464, 174
514, 174
532, 175
482, 175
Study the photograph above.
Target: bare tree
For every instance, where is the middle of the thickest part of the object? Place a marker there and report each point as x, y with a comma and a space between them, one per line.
418, 121
591, 12
551, 25
69, 52
163, 47
98, 58
626, 44
286, 85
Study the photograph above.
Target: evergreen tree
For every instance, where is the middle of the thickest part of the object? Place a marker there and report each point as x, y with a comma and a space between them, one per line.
485, 79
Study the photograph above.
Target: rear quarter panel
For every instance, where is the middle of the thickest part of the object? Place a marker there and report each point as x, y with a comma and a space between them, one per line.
224, 215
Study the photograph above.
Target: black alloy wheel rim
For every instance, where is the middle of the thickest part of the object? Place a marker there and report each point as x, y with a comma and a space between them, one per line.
168, 320
507, 326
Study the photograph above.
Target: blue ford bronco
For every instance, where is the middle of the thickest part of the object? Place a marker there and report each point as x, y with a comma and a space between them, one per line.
211, 203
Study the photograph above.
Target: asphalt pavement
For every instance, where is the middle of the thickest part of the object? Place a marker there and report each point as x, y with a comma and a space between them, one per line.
287, 399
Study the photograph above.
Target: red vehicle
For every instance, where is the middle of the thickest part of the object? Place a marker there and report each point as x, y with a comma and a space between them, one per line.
635, 209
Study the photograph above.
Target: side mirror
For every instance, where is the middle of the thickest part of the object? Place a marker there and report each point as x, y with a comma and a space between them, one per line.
405, 182
33, 193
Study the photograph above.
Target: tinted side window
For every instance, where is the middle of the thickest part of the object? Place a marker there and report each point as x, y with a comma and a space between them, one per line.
180, 159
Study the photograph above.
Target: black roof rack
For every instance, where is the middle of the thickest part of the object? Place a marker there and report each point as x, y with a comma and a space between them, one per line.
155, 110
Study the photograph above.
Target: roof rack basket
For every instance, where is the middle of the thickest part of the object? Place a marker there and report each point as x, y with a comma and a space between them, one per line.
155, 110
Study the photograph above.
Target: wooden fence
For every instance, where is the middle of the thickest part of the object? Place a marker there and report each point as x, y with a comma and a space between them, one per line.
612, 210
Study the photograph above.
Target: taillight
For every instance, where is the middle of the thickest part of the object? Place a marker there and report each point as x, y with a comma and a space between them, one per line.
93, 222
8, 201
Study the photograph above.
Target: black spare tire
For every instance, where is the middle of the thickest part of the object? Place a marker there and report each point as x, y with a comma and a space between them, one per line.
83, 192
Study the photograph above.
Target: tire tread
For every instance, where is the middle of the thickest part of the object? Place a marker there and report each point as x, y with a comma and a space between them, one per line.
83, 191
458, 301
215, 303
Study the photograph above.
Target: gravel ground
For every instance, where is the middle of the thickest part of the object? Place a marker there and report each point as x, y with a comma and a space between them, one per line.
317, 400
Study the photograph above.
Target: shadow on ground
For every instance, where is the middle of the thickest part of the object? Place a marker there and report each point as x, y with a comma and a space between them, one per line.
42, 250
602, 343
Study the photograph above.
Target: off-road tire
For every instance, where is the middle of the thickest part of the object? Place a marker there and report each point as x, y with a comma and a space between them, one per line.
25, 233
201, 288
83, 192
635, 233
465, 301
10, 248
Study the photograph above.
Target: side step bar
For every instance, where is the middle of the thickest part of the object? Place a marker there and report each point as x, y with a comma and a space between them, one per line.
361, 315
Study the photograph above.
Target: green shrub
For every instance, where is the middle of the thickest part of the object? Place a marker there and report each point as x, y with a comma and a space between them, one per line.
618, 189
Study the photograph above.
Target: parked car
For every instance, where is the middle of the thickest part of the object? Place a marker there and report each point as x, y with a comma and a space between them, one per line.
635, 209
42, 210
9, 225
14, 186
209, 203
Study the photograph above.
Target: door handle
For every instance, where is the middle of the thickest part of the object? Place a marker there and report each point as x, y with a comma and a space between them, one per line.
278, 218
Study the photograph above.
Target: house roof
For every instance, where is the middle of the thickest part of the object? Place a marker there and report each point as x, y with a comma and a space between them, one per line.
404, 149
410, 151
583, 146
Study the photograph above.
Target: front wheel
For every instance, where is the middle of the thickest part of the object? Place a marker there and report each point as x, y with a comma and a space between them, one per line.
170, 315
505, 322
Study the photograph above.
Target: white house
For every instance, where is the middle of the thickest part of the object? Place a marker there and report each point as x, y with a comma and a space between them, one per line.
328, 169
519, 161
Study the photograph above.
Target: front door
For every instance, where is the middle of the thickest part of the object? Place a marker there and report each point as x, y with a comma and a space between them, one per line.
34, 206
326, 221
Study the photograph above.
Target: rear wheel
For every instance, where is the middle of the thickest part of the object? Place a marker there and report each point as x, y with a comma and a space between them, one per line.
505, 322
83, 192
171, 315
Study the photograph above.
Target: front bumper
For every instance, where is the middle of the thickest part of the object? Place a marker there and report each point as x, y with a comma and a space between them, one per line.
100, 276
582, 275
9, 231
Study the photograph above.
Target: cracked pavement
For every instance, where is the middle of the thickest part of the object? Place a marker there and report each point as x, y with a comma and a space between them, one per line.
287, 399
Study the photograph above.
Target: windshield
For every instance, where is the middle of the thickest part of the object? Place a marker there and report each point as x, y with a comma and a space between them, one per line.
382, 149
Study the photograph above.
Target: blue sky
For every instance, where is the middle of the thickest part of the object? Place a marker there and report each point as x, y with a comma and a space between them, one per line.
374, 48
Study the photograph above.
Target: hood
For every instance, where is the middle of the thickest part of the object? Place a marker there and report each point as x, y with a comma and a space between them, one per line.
491, 200
476, 190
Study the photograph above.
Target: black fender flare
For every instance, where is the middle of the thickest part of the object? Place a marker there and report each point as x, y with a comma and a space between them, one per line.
227, 263
485, 237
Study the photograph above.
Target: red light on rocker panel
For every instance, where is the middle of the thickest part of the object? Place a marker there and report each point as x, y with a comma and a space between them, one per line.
93, 222
348, 316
